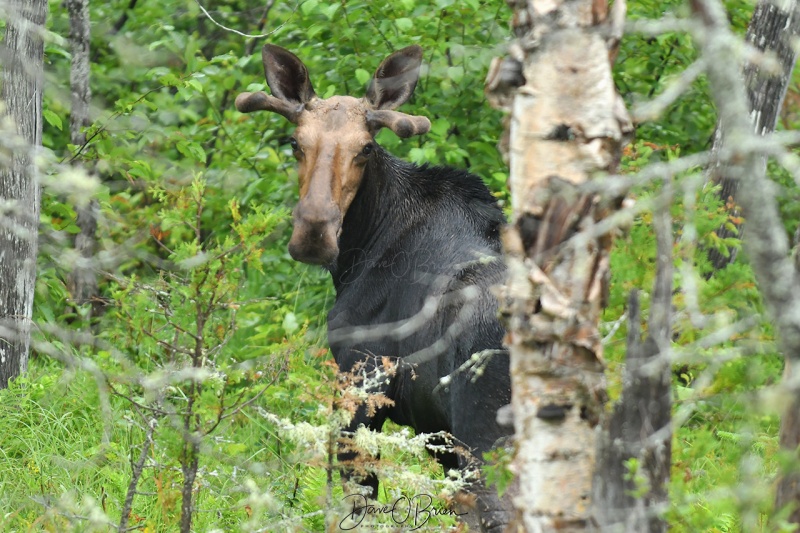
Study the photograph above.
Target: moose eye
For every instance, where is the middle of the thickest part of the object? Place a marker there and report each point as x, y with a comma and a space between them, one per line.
294, 144
368, 149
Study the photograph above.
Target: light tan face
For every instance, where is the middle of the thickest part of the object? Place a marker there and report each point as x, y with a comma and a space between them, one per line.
332, 144
334, 139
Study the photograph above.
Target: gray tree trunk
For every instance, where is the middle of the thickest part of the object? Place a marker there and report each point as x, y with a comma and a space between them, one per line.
788, 490
82, 280
773, 28
626, 500
22, 57
765, 240
567, 124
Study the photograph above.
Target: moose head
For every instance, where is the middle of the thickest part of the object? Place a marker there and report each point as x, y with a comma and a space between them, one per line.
334, 139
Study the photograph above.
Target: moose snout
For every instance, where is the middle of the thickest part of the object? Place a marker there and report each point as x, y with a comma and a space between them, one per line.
316, 232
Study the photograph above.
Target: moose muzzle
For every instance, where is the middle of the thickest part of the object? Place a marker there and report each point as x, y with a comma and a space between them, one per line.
316, 233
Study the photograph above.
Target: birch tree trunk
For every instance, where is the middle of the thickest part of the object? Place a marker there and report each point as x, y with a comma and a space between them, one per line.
19, 191
773, 28
765, 240
567, 124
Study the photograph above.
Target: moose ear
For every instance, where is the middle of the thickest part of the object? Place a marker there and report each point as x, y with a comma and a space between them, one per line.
395, 79
287, 76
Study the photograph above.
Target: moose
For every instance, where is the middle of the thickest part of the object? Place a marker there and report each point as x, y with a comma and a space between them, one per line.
414, 252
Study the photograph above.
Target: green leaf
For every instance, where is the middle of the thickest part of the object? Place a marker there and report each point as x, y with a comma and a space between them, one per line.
330, 10
234, 448
455, 73
223, 58
363, 76
169, 80
329, 91
290, 324
308, 6
195, 84
52, 119
440, 127
192, 150
404, 24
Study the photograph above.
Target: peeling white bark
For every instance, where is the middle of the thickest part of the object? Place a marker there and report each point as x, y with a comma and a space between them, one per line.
19, 190
567, 124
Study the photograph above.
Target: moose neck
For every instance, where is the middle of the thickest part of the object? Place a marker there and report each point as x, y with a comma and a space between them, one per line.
381, 208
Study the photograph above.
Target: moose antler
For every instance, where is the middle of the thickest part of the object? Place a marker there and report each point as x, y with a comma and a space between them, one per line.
402, 124
261, 101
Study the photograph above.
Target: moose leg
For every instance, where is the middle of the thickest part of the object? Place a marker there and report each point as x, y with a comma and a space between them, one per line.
475, 401
493, 512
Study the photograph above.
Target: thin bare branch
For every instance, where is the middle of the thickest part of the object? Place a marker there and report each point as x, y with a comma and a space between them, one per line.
137, 469
237, 32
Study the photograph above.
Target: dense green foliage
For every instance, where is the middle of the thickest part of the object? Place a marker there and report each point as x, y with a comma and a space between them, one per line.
195, 200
